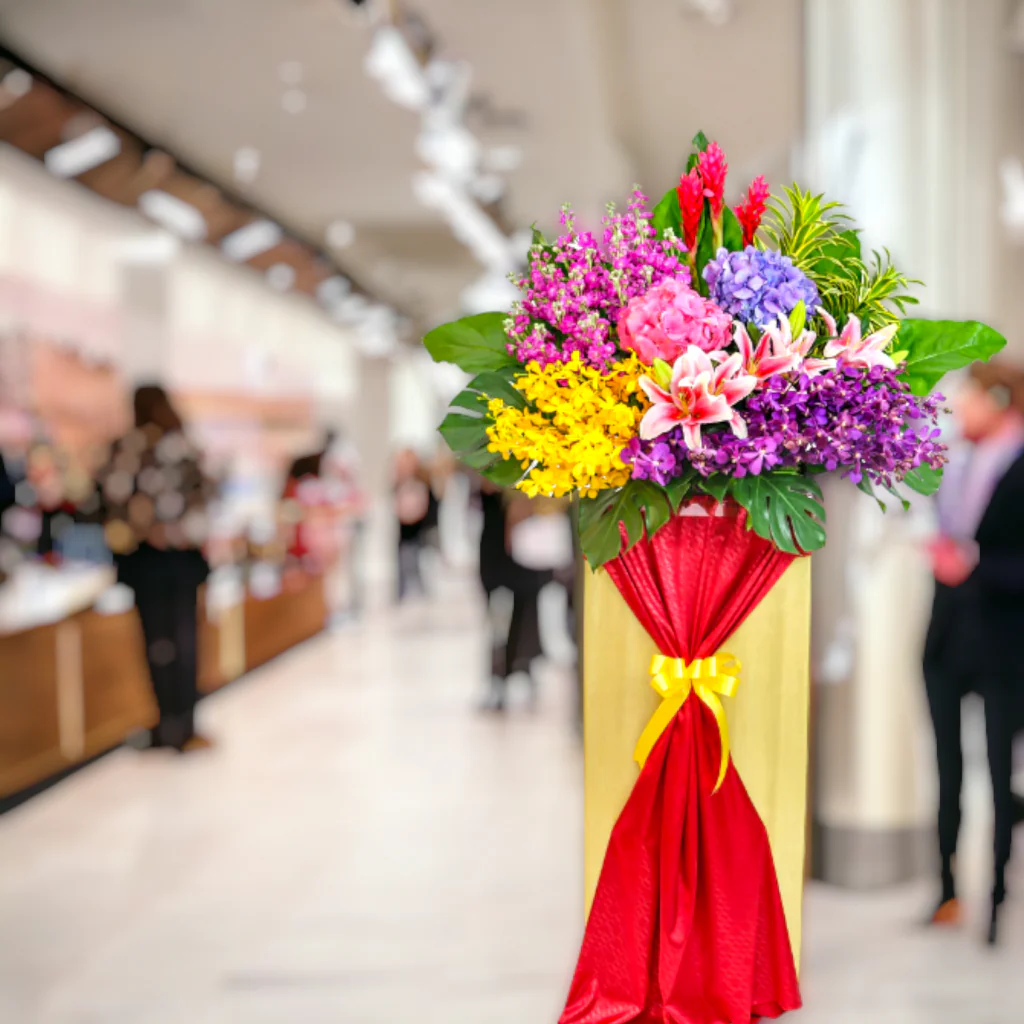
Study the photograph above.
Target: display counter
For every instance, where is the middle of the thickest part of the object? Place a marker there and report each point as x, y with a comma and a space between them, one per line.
74, 681
275, 623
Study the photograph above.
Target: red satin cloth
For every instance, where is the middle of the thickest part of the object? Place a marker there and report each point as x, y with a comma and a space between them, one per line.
687, 925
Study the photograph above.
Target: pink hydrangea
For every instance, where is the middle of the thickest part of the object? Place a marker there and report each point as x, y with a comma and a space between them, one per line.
666, 320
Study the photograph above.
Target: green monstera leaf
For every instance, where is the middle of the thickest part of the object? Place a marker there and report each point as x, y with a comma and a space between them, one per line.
465, 427
785, 508
639, 506
474, 343
935, 347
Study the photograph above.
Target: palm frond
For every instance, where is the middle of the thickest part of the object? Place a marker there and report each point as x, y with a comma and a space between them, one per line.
819, 238
805, 227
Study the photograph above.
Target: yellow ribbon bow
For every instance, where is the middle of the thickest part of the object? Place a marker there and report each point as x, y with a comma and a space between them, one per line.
674, 679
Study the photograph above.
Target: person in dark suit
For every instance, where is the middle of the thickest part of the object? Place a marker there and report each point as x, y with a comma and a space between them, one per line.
975, 639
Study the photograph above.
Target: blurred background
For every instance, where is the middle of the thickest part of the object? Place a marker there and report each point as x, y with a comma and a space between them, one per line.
319, 758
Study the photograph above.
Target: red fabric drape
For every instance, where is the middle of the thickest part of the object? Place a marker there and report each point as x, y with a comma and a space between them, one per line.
687, 925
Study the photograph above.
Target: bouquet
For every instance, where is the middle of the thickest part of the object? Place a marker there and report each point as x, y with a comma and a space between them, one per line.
687, 377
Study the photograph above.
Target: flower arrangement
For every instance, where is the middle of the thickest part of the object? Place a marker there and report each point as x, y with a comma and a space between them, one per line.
697, 349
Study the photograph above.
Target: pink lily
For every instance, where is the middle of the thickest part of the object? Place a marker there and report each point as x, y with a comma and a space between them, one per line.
699, 392
853, 349
778, 351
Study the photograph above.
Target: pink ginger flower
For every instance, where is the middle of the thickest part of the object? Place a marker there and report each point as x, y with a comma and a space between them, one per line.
751, 210
851, 348
713, 168
670, 317
778, 351
699, 392
690, 191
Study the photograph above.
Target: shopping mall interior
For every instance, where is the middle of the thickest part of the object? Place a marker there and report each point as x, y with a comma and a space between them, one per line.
302, 719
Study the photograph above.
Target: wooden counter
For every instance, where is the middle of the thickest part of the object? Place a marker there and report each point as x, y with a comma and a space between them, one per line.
75, 688
274, 624
69, 691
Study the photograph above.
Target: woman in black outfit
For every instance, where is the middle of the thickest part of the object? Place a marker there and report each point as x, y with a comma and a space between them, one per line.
975, 642
154, 498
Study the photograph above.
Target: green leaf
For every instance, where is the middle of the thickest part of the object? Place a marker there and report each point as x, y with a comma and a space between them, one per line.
923, 479
935, 347
717, 485
498, 384
865, 486
536, 235
505, 472
700, 142
471, 400
668, 215
463, 433
705, 248
732, 231
900, 498
798, 318
839, 255
657, 508
638, 506
784, 509
680, 488
474, 343
466, 435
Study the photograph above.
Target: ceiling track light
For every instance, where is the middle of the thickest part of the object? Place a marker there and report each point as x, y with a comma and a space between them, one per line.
81, 154
251, 240
174, 214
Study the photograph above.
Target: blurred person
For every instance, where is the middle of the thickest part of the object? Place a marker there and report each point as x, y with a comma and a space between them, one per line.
416, 508
308, 503
975, 640
522, 549
343, 470
154, 499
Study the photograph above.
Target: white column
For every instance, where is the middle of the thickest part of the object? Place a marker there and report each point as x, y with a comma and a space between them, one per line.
896, 91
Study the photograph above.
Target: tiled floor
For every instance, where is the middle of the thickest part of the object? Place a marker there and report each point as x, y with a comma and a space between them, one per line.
364, 848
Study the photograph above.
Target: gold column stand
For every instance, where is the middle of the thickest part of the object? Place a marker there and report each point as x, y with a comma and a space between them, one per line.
768, 719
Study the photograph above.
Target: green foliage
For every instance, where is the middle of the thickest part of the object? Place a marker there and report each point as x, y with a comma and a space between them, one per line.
636, 508
732, 231
807, 229
935, 347
816, 235
785, 508
465, 427
798, 318
700, 143
474, 343
667, 215
924, 479
705, 247
877, 294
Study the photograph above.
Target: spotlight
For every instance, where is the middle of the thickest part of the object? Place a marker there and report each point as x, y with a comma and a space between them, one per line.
254, 238
75, 157
173, 213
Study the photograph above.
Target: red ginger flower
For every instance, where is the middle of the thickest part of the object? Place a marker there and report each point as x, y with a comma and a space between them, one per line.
713, 168
751, 210
691, 205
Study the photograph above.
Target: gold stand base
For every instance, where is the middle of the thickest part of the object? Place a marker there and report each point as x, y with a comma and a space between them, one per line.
768, 719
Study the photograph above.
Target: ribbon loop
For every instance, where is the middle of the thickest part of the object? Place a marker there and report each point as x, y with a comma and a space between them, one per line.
675, 679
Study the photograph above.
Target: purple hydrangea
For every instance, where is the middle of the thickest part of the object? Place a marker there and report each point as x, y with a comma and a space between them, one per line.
574, 289
862, 423
758, 285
